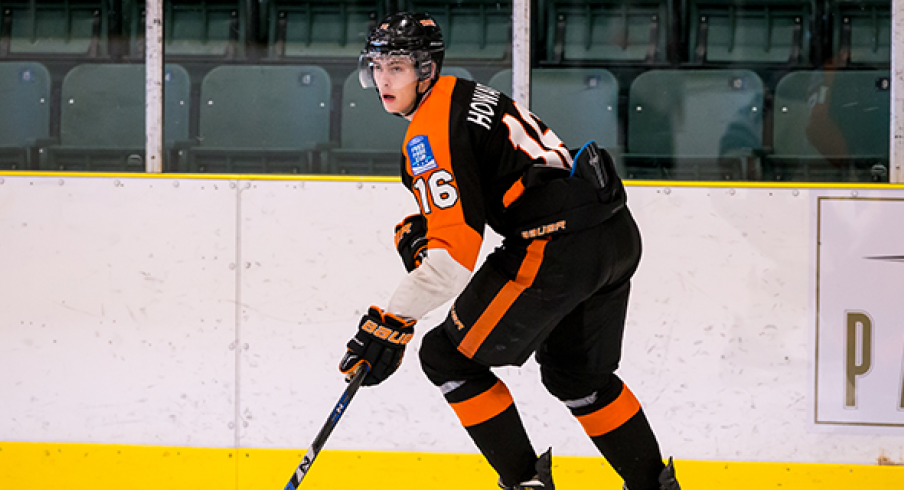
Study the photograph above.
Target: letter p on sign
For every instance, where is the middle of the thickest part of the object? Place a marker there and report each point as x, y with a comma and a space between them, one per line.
858, 355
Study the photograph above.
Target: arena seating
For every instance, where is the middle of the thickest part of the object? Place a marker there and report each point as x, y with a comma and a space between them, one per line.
677, 89
24, 113
831, 126
774, 32
102, 119
194, 30
261, 119
611, 31
695, 125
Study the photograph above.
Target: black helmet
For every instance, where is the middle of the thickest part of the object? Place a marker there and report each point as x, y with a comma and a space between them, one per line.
404, 34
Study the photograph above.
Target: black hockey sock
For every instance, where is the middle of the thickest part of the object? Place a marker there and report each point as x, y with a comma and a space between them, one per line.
504, 442
634, 453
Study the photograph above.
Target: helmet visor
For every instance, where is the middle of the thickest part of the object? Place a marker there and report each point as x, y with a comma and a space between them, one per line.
393, 70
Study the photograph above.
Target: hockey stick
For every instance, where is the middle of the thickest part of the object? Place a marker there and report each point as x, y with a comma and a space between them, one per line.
327, 428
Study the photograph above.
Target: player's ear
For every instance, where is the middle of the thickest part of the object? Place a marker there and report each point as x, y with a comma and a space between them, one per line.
433, 76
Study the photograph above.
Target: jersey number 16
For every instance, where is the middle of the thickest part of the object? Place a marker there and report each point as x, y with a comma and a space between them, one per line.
437, 188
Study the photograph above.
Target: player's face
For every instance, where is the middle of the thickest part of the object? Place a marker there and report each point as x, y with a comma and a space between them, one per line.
397, 83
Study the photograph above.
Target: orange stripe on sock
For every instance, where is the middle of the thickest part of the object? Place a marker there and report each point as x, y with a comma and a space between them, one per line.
612, 416
504, 299
484, 406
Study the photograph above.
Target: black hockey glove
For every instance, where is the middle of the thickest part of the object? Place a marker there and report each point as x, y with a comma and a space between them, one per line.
380, 343
411, 240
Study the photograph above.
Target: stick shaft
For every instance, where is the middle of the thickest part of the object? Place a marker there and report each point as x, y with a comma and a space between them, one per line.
326, 430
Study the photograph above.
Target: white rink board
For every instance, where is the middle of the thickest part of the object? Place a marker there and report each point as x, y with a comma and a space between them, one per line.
233, 299
117, 311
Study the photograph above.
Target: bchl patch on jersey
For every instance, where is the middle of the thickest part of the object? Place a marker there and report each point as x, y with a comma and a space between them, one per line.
420, 155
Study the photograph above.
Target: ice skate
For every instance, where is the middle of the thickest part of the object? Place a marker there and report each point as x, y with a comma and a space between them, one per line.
543, 478
667, 480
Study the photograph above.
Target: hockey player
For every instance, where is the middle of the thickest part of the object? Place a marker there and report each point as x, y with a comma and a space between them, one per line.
558, 285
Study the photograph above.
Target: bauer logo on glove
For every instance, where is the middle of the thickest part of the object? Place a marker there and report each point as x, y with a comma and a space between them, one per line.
380, 344
389, 335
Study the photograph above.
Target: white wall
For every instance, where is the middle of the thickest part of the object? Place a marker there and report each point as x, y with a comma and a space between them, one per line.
213, 313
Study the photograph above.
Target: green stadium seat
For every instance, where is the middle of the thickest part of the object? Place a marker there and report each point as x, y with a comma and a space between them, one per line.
55, 28
632, 31
262, 119
862, 33
579, 104
695, 125
774, 32
24, 113
192, 29
831, 126
472, 29
320, 28
102, 118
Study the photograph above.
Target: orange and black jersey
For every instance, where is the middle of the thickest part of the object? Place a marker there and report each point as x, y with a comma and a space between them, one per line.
464, 155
